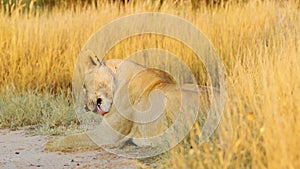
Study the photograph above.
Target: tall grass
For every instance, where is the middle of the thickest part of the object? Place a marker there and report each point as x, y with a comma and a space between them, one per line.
259, 46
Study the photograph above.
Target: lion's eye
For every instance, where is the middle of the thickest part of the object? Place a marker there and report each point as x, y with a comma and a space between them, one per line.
101, 85
84, 89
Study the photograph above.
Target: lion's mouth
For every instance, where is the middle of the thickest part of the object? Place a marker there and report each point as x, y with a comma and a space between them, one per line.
98, 109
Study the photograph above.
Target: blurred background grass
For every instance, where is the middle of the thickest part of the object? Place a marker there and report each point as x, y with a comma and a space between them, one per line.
258, 43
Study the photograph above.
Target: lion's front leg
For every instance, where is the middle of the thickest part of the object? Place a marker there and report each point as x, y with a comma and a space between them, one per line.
70, 143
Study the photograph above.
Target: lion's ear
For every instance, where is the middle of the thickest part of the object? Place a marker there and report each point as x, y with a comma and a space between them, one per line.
90, 59
113, 64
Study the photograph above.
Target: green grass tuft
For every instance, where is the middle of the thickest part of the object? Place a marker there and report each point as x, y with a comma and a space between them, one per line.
49, 112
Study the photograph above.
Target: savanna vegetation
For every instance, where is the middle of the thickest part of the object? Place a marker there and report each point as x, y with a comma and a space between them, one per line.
258, 43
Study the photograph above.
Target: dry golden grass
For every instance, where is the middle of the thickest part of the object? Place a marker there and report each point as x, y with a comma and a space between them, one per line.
259, 46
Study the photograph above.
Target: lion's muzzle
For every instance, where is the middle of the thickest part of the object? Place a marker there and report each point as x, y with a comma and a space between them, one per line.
97, 109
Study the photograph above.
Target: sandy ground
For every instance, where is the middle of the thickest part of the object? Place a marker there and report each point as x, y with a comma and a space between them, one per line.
17, 150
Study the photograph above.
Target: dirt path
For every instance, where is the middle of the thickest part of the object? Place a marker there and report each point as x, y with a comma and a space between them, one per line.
20, 151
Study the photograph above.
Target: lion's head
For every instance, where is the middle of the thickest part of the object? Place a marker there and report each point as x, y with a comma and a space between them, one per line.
98, 86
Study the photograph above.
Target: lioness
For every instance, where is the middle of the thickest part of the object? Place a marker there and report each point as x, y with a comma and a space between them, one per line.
137, 102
